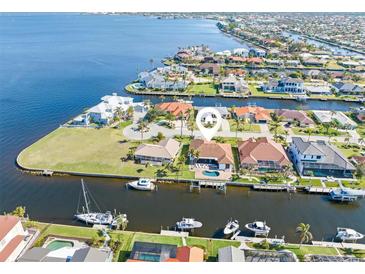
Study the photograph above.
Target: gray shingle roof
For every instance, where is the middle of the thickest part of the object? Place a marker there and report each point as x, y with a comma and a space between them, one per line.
231, 254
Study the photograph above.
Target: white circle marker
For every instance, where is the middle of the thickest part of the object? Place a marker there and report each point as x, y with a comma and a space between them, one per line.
206, 113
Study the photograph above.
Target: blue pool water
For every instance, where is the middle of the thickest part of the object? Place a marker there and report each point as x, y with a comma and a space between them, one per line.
211, 173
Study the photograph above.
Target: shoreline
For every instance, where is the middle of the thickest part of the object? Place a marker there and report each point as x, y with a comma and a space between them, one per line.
130, 90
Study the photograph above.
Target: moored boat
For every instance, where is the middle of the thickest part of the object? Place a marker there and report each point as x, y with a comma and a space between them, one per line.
188, 223
142, 184
348, 234
259, 228
346, 194
231, 227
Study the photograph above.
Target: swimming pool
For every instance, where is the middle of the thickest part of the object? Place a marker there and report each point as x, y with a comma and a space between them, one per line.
57, 244
211, 173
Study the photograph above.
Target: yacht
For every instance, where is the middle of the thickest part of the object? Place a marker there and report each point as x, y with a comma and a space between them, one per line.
98, 218
348, 234
346, 194
258, 227
231, 227
188, 223
142, 184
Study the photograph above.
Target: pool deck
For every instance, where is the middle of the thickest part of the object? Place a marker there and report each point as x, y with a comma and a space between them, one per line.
223, 175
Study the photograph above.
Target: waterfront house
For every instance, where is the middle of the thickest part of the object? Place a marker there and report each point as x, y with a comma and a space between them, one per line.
156, 252
104, 112
211, 155
157, 154
209, 69
177, 109
172, 77
67, 254
338, 117
243, 52
223, 111
285, 85
319, 159
236, 60
295, 116
318, 89
348, 89
263, 155
253, 114
12, 238
292, 63
233, 84
257, 52
231, 254
314, 62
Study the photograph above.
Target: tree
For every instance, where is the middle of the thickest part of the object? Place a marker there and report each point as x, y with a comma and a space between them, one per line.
180, 162
19, 211
305, 235
274, 126
309, 132
130, 111
169, 117
194, 153
142, 126
159, 136
181, 118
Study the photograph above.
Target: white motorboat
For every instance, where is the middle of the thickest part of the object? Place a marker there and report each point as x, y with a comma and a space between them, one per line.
188, 223
348, 234
346, 194
259, 228
231, 227
142, 184
98, 218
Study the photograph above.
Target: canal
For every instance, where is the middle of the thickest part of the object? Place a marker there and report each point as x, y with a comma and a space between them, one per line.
52, 66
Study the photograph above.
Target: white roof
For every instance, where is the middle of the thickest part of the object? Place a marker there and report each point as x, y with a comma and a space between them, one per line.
325, 116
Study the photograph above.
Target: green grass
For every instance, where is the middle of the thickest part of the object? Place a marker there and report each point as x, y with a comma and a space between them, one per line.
156, 238
348, 150
207, 89
310, 182
358, 184
317, 131
311, 250
100, 151
245, 128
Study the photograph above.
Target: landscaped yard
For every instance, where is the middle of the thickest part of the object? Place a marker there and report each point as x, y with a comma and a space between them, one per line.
319, 131
243, 128
207, 89
348, 150
100, 151
310, 182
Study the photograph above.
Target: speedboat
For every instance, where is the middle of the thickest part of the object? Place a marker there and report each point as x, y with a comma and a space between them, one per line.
348, 234
142, 184
231, 227
188, 223
259, 228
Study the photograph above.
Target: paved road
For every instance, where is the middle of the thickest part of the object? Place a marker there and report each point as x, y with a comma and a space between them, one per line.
132, 133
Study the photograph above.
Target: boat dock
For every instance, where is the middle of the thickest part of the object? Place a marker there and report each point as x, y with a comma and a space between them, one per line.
174, 233
221, 186
274, 187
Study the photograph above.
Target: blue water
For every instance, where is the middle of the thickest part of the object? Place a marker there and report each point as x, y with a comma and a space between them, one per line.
52, 66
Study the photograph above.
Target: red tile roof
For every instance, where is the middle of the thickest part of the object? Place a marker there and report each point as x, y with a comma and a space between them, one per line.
189, 254
260, 113
263, 149
175, 108
211, 149
7, 222
10, 247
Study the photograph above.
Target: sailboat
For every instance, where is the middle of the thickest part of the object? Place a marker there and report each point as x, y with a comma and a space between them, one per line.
99, 218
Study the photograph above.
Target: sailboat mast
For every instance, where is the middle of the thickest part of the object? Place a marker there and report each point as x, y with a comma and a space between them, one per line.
85, 196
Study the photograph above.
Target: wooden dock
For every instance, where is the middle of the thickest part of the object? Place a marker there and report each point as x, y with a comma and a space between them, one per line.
274, 187
318, 190
221, 186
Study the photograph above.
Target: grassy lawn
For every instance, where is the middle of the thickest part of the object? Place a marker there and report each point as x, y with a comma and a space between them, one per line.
313, 250
333, 65
331, 184
91, 151
156, 238
244, 128
208, 89
310, 182
358, 184
317, 131
349, 150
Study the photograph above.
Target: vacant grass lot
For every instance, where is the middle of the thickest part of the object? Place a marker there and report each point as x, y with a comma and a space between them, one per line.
243, 128
101, 151
207, 89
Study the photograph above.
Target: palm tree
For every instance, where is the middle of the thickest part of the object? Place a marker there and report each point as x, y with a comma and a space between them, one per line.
304, 234
181, 117
142, 126
180, 162
274, 125
309, 132
194, 153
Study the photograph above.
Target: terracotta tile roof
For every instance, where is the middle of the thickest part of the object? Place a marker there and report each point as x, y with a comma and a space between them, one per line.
10, 247
211, 149
358, 159
175, 108
260, 113
290, 114
263, 149
189, 254
7, 222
